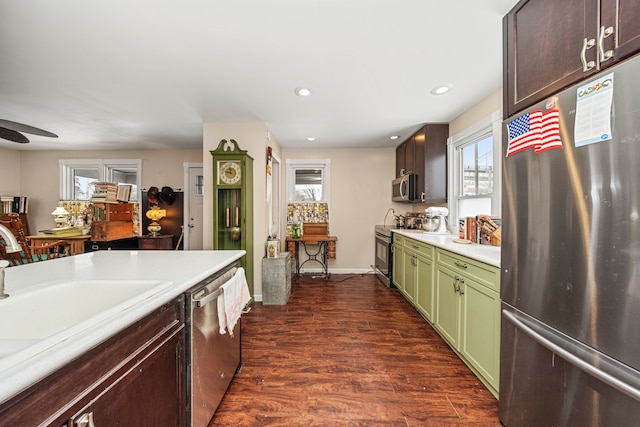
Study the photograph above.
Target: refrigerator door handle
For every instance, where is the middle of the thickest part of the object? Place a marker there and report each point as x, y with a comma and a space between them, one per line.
578, 362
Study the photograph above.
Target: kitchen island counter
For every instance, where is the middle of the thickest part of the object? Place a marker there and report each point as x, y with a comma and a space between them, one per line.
184, 269
484, 253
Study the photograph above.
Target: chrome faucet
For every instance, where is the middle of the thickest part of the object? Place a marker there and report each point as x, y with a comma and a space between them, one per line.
12, 245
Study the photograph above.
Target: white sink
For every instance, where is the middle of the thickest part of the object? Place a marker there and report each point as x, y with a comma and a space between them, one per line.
60, 309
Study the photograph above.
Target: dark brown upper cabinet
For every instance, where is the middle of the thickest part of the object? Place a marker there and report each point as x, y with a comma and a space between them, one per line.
425, 154
550, 44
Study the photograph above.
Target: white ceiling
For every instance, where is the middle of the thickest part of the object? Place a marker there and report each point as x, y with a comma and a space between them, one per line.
145, 74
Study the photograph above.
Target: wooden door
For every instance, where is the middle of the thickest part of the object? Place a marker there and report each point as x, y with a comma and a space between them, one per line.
435, 163
401, 159
625, 23
151, 393
543, 45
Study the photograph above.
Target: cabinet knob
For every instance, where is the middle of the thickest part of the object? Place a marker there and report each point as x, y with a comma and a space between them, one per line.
461, 264
85, 420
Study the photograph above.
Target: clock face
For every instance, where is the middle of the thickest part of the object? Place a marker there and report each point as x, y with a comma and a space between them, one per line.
229, 172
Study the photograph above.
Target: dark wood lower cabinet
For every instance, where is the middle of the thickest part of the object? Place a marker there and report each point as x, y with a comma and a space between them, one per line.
136, 378
163, 242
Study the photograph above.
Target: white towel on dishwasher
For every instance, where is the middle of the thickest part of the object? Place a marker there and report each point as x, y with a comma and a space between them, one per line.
234, 297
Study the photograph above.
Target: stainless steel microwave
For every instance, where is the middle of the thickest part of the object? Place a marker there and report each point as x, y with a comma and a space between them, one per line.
404, 188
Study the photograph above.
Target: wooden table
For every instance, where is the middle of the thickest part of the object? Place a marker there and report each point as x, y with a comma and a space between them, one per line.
326, 250
76, 243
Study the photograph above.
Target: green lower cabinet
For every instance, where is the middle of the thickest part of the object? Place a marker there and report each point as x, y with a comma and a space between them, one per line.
447, 311
424, 287
417, 286
398, 264
459, 296
410, 275
480, 331
467, 314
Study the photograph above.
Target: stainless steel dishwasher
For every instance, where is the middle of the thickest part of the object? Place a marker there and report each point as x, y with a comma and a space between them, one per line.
212, 358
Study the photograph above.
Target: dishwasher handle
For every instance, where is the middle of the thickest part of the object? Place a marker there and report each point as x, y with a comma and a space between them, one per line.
217, 285
208, 298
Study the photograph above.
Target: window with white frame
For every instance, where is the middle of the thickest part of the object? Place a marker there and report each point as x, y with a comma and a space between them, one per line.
308, 180
474, 165
77, 176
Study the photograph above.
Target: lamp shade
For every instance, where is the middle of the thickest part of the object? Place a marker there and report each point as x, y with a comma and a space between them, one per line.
155, 213
59, 211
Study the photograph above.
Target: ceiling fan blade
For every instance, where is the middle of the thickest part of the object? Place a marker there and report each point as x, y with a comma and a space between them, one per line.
19, 127
13, 135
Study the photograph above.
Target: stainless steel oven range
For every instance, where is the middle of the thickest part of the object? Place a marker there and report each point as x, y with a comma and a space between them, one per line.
383, 260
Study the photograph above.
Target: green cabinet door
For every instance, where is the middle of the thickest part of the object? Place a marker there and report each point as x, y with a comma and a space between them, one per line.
398, 264
480, 340
424, 290
447, 310
410, 274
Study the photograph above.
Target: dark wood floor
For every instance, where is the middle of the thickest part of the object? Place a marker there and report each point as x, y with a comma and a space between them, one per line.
349, 352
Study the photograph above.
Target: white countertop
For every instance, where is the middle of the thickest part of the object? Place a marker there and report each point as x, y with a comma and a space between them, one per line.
484, 253
183, 268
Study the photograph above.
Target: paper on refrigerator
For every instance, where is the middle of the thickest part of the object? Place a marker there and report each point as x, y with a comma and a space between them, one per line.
593, 111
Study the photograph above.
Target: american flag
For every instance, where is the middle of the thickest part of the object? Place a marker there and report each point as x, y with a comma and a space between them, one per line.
550, 132
524, 132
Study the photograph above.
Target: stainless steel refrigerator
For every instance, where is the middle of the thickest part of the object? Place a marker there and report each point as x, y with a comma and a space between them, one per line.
570, 280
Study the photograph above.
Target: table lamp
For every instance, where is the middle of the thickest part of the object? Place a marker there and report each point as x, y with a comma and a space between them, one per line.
60, 216
155, 214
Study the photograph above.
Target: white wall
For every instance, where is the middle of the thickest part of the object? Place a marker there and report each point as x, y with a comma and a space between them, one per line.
10, 181
476, 113
39, 174
360, 198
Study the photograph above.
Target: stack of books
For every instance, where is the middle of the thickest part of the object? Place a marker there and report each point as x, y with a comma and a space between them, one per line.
15, 204
63, 231
480, 229
105, 192
7, 204
124, 193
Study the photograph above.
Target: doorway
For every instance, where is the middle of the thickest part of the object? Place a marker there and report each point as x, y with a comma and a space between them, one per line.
194, 201
274, 208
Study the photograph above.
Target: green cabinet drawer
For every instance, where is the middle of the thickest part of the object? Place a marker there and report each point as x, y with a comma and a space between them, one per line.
420, 248
398, 240
482, 273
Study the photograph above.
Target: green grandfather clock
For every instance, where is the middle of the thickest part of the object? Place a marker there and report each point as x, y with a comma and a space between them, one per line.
233, 202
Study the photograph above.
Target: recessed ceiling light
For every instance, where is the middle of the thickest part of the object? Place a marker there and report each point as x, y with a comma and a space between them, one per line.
441, 89
311, 138
394, 137
302, 91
